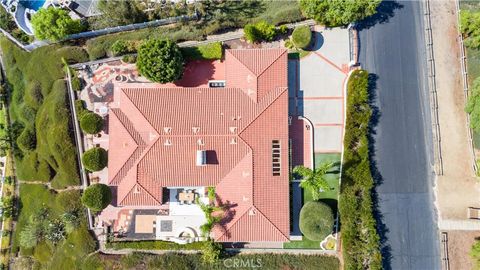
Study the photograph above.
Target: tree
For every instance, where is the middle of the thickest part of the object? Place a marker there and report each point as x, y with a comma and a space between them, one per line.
29, 236
160, 60
473, 105
251, 33
95, 159
116, 13
7, 207
259, 31
314, 180
302, 36
91, 123
316, 220
54, 24
338, 12
475, 253
97, 197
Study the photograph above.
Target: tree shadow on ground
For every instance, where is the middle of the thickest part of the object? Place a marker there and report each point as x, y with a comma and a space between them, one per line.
385, 11
382, 229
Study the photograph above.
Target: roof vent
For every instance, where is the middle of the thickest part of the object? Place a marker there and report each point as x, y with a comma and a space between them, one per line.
167, 142
195, 130
233, 141
252, 212
249, 78
233, 129
200, 142
167, 130
136, 190
201, 158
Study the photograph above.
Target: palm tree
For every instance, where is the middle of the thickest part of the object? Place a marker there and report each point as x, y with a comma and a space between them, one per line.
314, 180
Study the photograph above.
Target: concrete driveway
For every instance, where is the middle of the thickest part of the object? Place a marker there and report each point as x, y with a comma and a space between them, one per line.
317, 88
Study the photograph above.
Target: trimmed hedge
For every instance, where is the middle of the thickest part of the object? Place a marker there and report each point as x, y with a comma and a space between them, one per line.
212, 51
302, 36
316, 220
91, 123
157, 245
97, 197
360, 240
95, 159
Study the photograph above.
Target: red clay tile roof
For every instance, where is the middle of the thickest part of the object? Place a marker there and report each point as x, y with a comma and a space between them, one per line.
155, 132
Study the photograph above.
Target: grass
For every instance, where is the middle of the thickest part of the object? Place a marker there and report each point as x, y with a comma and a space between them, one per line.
159, 245
211, 51
68, 253
38, 101
303, 244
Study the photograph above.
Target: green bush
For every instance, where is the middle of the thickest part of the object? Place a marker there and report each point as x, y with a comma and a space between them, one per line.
470, 28
475, 253
259, 31
160, 60
355, 204
302, 36
33, 95
95, 159
338, 12
154, 245
132, 59
473, 105
76, 84
316, 220
211, 51
27, 140
91, 123
80, 108
121, 47
97, 197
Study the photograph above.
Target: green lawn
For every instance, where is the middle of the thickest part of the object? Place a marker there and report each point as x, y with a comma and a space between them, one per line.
330, 197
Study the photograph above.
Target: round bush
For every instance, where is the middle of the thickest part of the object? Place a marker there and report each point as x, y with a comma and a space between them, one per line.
97, 197
91, 123
95, 159
27, 141
302, 36
316, 220
160, 60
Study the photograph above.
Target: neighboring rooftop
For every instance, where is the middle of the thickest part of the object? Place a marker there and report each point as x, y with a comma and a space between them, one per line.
156, 132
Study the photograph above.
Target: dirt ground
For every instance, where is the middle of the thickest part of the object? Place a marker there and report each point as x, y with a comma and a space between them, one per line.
457, 188
459, 244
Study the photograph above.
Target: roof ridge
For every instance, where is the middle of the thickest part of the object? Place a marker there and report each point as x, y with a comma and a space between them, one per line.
128, 125
136, 107
283, 89
271, 223
144, 189
266, 67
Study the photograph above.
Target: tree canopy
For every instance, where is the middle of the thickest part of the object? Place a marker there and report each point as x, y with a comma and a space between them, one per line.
117, 13
160, 60
95, 159
302, 36
97, 197
54, 24
314, 180
259, 31
91, 123
338, 12
316, 220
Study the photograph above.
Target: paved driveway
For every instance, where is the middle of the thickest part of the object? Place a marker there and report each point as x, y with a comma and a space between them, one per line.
317, 88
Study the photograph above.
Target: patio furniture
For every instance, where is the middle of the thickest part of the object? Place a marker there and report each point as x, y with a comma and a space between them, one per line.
473, 213
188, 197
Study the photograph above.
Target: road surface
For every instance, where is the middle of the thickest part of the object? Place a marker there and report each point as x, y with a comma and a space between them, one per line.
395, 51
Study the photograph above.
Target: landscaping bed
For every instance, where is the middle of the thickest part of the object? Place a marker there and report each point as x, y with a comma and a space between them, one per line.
153, 245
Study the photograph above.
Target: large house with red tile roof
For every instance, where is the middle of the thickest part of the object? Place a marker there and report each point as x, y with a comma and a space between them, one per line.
167, 143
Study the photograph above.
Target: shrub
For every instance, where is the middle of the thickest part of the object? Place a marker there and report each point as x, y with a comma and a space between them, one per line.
338, 12
95, 159
91, 123
76, 84
150, 244
211, 252
473, 105
121, 47
259, 31
160, 60
355, 204
27, 140
80, 108
97, 197
33, 95
316, 220
211, 51
302, 36
475, 253
132, 59
470, 28
54, 24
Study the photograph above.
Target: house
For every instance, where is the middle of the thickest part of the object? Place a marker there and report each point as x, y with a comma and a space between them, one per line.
167, 145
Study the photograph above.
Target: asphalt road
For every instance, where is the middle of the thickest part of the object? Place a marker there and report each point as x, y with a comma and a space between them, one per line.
395, 51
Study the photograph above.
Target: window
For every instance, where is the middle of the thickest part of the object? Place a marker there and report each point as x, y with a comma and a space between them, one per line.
276, 158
